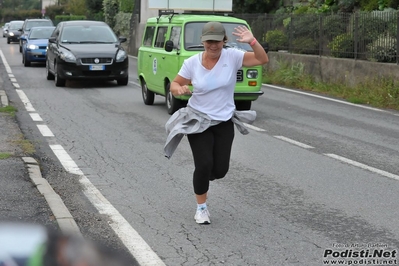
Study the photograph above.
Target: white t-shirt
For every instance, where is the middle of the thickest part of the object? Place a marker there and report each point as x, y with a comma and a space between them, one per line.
213, 90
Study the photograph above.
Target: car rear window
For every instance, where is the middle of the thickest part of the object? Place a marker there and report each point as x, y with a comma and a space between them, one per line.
31, 24
15, 26
40, 33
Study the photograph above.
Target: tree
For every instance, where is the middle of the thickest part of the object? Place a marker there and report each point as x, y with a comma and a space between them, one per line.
95, 6
253, 6
76, 7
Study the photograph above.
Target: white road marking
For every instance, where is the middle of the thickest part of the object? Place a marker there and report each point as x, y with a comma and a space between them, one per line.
13, 80
6, 65
254, 127
297, 143
66, 161
35, 117
363, 166
326, 98
140, 250
45, 130
25, 101
135, 83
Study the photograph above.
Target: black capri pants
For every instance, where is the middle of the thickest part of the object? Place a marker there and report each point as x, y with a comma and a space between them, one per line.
211, 151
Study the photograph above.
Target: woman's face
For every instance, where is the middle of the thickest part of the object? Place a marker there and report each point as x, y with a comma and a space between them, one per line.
213, 48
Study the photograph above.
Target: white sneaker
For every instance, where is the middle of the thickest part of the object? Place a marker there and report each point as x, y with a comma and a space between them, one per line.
202, 217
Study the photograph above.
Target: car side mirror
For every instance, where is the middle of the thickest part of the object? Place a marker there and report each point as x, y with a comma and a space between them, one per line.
122, 39
20, 30
169, 46
265, 46
52, 39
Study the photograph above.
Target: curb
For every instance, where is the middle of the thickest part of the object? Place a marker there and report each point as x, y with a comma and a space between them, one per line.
61, 213
65, 221
3, 98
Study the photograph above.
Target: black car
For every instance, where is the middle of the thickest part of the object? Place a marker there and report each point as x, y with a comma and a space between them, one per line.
30, 23
84, 49
13, 32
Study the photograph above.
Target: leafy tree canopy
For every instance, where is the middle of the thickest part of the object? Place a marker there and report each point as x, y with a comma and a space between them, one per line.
253, 6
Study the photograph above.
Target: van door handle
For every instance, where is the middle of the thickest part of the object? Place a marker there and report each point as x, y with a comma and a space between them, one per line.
163, 57
149, 55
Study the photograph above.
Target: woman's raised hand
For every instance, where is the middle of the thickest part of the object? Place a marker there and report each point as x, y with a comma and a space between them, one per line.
244, 34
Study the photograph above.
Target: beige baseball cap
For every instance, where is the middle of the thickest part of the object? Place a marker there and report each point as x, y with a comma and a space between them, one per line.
213, 31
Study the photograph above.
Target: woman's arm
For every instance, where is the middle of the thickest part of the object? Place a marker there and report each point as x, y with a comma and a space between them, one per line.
258, 56
179, 86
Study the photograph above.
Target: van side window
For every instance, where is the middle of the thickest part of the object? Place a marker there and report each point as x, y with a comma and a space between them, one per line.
161, 36
148, 35
175, 36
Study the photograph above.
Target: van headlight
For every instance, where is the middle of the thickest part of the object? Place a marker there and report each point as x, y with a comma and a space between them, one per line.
252, 73
120, 56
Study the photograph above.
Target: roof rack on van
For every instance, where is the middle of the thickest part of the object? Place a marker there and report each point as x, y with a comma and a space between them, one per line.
165, 12
217, 13
171, 13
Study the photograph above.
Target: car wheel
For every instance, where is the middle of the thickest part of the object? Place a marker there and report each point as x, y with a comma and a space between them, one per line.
8, 40
172, 103
243, 105
59, 82
148, 96
49, 75
26, 62
123, 82
20, 48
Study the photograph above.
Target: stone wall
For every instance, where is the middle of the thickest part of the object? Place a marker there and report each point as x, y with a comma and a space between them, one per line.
330, 69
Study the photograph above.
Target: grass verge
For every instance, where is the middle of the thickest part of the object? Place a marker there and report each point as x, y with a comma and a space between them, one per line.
5, 155
377, 92
8, 109
26, 146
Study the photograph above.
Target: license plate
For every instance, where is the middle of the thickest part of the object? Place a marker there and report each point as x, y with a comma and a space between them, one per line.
97, 67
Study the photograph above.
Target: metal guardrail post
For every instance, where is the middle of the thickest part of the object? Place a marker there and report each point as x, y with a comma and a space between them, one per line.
355, 39
397, 38
320, 35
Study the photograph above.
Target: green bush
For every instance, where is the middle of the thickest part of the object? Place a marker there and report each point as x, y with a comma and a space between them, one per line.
342, 46
122, 24
383, 49
126, 6
367, 25
277, 40
96, 16
334, 25
304, 25
69, 17
54, 10
305, 45
258, 28
368, 5
111, 9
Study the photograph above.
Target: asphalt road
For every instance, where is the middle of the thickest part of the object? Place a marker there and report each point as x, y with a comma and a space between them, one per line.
315, 176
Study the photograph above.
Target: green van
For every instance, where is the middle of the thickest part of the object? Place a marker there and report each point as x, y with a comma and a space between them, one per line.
172, 37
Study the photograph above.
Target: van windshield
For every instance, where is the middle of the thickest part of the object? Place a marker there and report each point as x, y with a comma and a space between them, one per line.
193, 31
